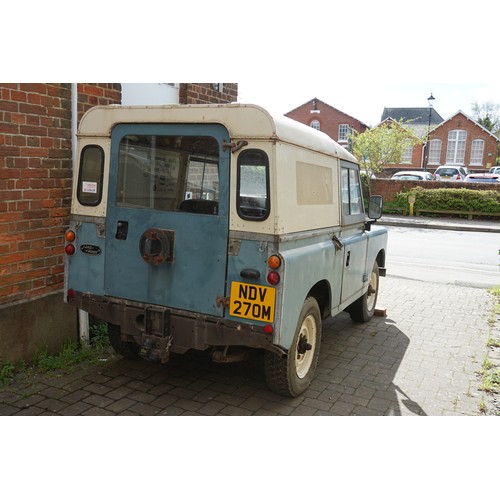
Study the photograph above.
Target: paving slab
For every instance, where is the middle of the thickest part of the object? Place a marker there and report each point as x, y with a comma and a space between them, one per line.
421, 359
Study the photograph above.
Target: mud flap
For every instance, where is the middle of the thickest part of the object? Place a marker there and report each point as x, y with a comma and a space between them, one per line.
156, 340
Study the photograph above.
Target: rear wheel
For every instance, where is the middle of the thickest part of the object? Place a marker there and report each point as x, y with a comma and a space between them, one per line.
129, 350
363, 309
291, 375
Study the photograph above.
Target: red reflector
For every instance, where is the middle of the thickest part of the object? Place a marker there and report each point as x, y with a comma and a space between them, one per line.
71, 293
273, 278
69, 249
268, 329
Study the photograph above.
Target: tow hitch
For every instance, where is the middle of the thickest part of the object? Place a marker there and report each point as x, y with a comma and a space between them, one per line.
156, 340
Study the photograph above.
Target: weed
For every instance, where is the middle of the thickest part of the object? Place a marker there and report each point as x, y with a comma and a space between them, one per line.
69, 356
6, 373
482, 406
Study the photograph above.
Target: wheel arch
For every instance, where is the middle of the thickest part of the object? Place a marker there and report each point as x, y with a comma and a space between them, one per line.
321, 291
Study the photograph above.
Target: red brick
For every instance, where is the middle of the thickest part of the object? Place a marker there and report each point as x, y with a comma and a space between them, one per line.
39, 88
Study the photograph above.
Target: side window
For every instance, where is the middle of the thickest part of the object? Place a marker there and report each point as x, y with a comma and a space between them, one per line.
253, 185
89, 191
352, 198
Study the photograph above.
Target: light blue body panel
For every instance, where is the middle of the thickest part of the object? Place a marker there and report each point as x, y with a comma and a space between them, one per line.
317, 262
307, 262
196, 277
85, 271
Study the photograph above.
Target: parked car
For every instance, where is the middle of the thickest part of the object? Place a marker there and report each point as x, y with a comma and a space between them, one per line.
451, 173
483, 177
495, 170
413, 175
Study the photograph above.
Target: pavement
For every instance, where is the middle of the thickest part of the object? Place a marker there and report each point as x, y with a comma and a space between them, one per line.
421, 358
452, 224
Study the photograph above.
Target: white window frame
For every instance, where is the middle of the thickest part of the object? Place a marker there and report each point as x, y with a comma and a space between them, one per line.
315, 125
455, 152
407, 155
344, 131
477, 152
435, 146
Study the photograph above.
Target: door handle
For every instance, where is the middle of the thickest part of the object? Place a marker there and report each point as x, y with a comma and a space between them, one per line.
121, 230
348, 259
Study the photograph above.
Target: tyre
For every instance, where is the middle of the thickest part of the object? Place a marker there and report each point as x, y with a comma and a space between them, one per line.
129, 350
291, 375
363, 309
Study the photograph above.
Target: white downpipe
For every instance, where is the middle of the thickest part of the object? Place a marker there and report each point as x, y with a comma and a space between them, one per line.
83, 316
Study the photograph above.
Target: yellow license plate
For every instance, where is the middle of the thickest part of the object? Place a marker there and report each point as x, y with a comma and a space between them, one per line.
252, 301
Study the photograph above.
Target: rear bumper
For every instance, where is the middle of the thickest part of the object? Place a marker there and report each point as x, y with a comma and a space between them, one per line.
187, 330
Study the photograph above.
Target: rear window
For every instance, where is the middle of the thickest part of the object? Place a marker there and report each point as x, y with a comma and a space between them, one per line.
91, 172
447, 171
169, 173
253, 185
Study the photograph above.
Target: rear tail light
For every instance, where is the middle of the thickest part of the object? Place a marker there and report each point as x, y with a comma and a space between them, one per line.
273, 278
70, 249
70, 237
274, 262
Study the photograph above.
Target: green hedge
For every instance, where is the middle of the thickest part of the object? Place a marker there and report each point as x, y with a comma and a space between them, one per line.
451, 199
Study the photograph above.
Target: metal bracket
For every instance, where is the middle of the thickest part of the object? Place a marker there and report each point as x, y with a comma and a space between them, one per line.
235, 146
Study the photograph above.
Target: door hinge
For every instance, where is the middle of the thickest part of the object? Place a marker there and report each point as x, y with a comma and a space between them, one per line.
222, 302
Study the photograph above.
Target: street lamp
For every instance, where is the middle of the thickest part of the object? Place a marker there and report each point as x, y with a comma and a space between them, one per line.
430, 100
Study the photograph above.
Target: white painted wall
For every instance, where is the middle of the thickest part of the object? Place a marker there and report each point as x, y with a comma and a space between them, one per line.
149, 93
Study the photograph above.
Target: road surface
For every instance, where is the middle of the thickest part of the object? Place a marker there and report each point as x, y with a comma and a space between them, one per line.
440, 256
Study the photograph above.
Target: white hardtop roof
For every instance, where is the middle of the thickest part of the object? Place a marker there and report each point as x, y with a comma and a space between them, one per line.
243, 121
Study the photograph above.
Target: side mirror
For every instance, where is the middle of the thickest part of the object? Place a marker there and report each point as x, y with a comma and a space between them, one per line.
375, 207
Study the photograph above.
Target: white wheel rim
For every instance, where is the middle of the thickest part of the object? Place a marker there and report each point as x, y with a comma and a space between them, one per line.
372, 291
308, 332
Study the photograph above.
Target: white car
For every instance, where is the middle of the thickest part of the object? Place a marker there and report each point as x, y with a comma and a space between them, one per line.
413, 175
495, 178
451, 173
494, 170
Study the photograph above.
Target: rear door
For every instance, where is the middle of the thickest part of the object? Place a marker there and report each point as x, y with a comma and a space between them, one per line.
167, 216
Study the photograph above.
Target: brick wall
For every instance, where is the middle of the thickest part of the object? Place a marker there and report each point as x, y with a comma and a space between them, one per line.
388, 189
204, 93
35, 182
35, 192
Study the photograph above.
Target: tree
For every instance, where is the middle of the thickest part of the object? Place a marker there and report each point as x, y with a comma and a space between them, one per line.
487, 115
382, 145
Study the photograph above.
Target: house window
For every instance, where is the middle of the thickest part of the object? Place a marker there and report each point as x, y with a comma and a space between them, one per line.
407, 154
434, 152
455, 153
344, 132
476, 154
315, 124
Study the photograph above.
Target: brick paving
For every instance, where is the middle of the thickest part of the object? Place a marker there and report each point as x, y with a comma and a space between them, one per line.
422, 359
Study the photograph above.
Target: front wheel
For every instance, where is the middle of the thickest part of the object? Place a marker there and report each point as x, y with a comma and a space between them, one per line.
363, 309
291, 375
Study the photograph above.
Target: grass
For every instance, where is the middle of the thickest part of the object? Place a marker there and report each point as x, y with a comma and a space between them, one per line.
490, 371
70, 355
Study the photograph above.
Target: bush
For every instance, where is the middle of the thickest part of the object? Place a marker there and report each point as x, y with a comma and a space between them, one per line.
451, 199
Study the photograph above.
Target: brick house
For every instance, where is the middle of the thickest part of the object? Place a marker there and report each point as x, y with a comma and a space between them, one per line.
35, 197
459, 140
333, 122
